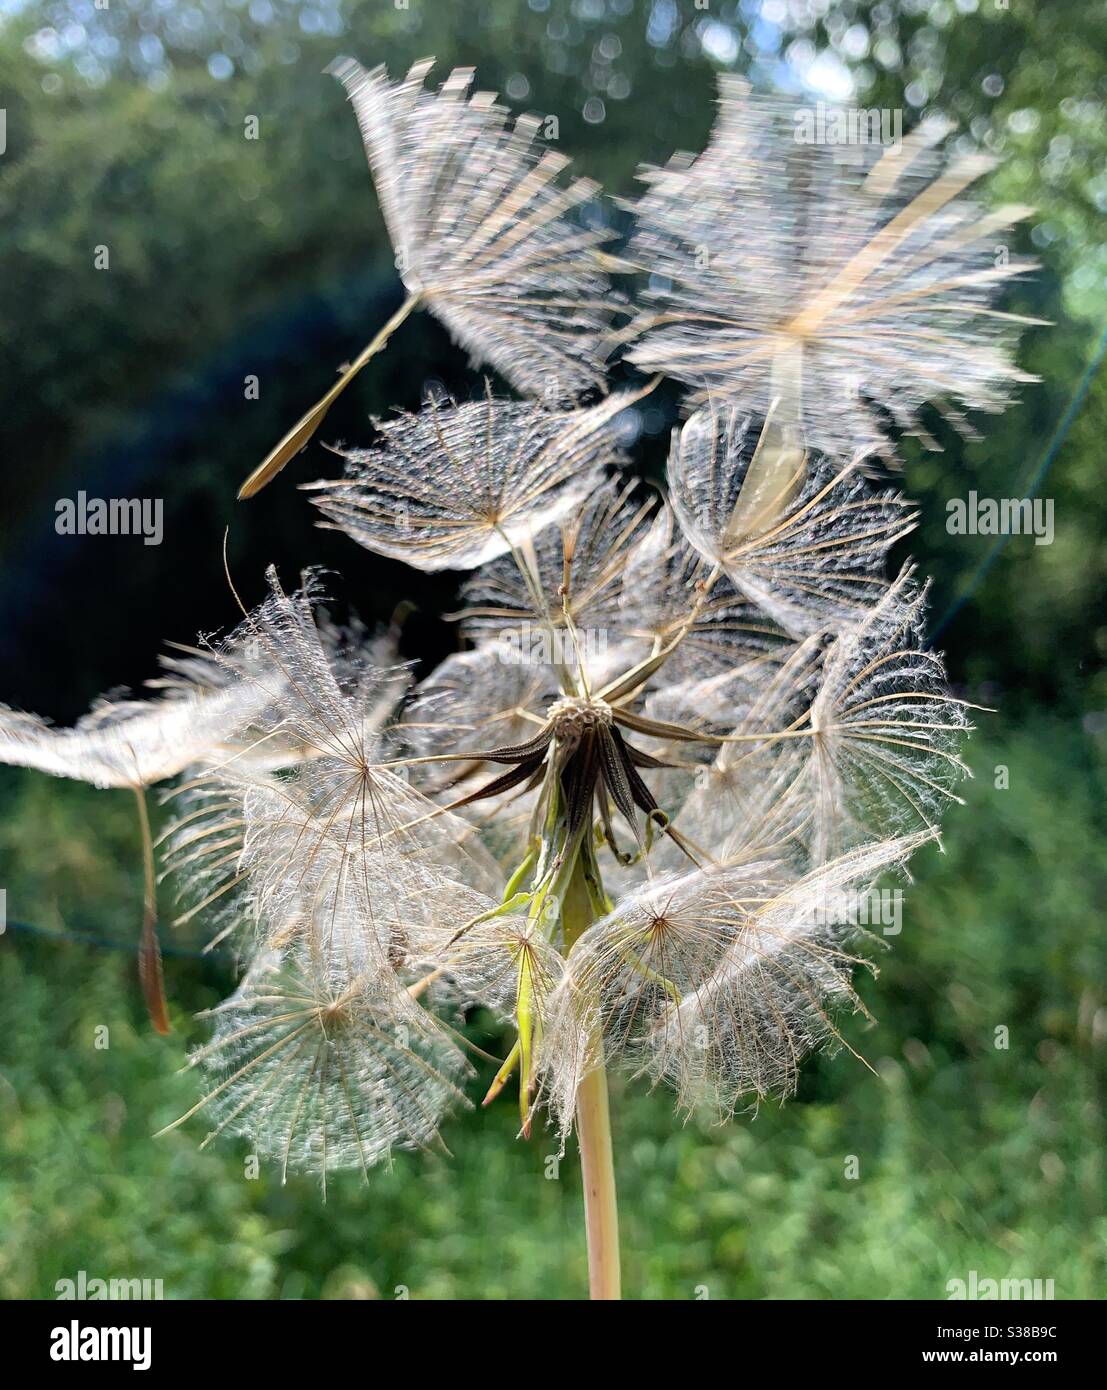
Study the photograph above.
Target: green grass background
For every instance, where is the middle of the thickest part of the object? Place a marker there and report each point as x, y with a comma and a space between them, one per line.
969, 1156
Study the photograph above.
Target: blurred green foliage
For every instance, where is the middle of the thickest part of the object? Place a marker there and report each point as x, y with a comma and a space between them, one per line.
970, 1155
126, 128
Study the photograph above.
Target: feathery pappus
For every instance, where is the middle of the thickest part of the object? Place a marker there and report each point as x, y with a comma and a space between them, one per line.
688, 728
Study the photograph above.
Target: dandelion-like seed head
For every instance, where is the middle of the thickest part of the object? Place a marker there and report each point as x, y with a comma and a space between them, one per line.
684, 732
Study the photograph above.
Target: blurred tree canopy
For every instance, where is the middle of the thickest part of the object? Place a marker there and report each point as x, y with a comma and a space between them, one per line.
129, 127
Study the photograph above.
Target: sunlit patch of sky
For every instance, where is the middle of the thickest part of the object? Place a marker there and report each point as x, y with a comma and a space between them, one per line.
761, 27
719, 41
827, 76
80, 32
809, 49
662, 23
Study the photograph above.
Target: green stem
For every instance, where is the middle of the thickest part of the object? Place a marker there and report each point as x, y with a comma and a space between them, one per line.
597, 1163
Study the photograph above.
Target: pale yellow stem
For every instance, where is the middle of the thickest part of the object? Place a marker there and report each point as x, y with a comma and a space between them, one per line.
302, 431
597, 1161
597, 1168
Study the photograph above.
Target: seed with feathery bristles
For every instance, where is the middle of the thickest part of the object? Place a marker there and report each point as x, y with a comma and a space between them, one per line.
810, 553
488, 236
482, 223
322, 1072
716, 982
782, 276
454, 486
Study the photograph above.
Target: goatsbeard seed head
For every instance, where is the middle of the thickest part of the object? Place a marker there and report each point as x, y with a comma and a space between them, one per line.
575, 714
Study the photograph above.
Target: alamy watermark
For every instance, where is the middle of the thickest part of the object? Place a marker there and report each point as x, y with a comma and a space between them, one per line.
88, 1288
1001, 516
76, 1343
974, 1287
110, 516
875, 907
849, 125
532, 644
